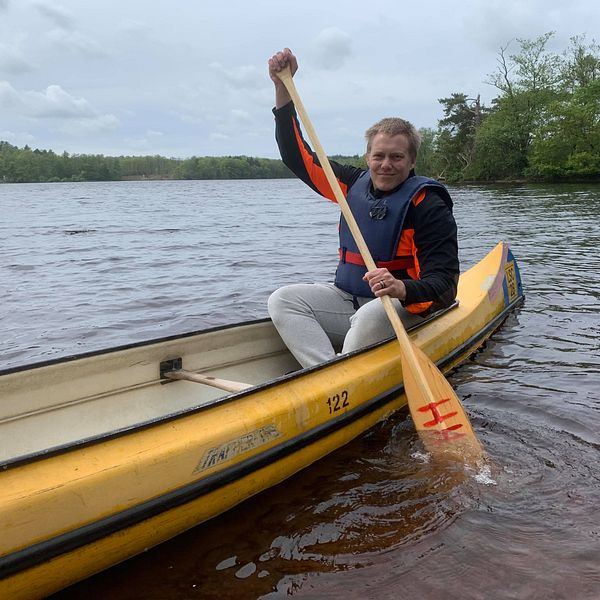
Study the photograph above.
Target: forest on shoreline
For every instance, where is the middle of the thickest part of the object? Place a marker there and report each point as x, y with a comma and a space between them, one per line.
544, 125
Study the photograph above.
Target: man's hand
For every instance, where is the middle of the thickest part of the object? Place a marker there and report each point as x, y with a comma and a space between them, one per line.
383, 283
279, 61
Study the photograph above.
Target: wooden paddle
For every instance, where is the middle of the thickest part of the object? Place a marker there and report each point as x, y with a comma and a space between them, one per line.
434, 406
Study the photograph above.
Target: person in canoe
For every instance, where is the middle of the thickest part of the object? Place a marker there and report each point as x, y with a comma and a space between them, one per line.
406, 221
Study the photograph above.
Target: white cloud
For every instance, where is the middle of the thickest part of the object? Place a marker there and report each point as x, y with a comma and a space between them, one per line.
94, 124
219, 137
189, 118
59, 15
331, 48
133, 26
240, 116
17, 137
64, 33
13, 61
73, 41
9, 97
495, 23
248, 77
54, 103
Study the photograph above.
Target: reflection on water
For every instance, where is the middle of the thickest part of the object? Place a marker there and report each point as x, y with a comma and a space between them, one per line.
92, 265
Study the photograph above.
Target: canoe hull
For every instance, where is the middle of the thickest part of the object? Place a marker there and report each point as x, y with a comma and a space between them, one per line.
79, 508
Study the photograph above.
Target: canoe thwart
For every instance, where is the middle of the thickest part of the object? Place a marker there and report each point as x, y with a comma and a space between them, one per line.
223, 384
171, 369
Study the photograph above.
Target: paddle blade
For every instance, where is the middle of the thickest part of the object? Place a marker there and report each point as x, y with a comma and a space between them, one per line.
438, 414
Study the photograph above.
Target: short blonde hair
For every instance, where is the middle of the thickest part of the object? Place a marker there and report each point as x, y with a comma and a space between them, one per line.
395, 126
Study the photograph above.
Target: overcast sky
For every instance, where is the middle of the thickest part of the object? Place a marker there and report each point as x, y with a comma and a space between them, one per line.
182, 78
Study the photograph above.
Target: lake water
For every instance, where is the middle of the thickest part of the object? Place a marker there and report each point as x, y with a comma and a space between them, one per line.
86, 266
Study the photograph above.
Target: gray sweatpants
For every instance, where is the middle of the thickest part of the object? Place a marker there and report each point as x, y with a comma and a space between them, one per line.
317, 320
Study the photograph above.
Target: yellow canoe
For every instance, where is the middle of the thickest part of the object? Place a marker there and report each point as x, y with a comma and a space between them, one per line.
104, 455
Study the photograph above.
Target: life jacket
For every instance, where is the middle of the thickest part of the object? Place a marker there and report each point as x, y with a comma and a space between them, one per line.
382, 235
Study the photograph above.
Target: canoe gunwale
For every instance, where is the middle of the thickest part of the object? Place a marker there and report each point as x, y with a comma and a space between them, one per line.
86, 534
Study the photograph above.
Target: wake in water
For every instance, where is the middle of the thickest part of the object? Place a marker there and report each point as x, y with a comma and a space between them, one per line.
482, 473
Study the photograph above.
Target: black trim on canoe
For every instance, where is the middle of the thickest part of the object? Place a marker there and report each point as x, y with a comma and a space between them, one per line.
61, 544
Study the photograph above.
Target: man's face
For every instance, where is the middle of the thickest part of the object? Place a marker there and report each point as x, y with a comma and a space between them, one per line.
389, 160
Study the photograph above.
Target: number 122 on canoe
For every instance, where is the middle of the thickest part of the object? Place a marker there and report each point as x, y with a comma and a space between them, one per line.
338, 401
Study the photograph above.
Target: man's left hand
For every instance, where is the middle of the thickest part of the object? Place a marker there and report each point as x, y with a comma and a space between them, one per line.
383, 283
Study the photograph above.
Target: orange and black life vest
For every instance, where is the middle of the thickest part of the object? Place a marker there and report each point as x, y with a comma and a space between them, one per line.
380, 221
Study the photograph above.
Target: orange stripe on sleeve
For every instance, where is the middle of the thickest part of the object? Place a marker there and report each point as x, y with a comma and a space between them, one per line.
315, 171
419, 197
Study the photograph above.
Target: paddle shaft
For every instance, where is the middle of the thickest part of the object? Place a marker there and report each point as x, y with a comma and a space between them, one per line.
405, 343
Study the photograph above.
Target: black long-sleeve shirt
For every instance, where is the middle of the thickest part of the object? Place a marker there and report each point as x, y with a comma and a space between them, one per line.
429, 230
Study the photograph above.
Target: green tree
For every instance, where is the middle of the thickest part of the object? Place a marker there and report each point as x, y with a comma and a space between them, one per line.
567, 144
455, 147
426, 158
529, 83
581, 63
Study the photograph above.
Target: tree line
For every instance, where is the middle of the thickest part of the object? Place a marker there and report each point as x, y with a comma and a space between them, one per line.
544, 124
22, 165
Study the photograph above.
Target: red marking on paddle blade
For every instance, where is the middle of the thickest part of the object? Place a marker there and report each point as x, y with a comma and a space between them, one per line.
437, 416
453, 427
445, 435
440, 419
450, 434
433, 405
